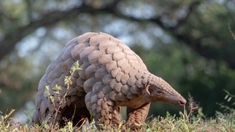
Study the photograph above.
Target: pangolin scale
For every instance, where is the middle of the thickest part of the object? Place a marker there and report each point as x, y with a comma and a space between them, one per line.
112, 76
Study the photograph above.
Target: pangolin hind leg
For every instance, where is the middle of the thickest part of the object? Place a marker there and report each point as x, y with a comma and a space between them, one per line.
75, 112
78, 115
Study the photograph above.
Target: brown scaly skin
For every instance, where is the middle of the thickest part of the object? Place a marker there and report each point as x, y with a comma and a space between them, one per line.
112, 76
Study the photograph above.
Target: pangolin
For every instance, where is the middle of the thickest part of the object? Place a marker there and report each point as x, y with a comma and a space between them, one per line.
112, 76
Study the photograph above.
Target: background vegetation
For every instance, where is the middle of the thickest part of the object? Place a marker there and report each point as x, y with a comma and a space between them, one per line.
189, 43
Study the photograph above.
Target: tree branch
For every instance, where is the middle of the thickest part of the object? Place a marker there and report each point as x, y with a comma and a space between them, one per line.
9, 41
194, 43
51, 18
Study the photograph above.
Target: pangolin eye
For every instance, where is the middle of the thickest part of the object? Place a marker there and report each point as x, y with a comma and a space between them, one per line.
150, 91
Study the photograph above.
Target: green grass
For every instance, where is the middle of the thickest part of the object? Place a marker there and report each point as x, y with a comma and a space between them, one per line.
195, 123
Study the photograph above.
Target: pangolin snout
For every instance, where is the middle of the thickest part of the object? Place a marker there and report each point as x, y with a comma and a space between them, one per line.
182, 102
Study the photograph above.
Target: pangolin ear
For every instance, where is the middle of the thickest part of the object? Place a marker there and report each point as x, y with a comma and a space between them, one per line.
147, 89
147, 93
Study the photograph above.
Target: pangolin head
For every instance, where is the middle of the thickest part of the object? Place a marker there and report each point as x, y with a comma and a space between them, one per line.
158, 90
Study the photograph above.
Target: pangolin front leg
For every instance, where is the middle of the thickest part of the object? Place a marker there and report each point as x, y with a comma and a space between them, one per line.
137, 115
104, 111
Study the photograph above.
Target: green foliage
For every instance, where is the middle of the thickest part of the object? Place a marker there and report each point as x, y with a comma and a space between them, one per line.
228, 99
17, 78
189, 66
68, 79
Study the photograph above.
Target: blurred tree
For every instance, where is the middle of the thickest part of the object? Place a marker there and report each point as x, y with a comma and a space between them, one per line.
188, 43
